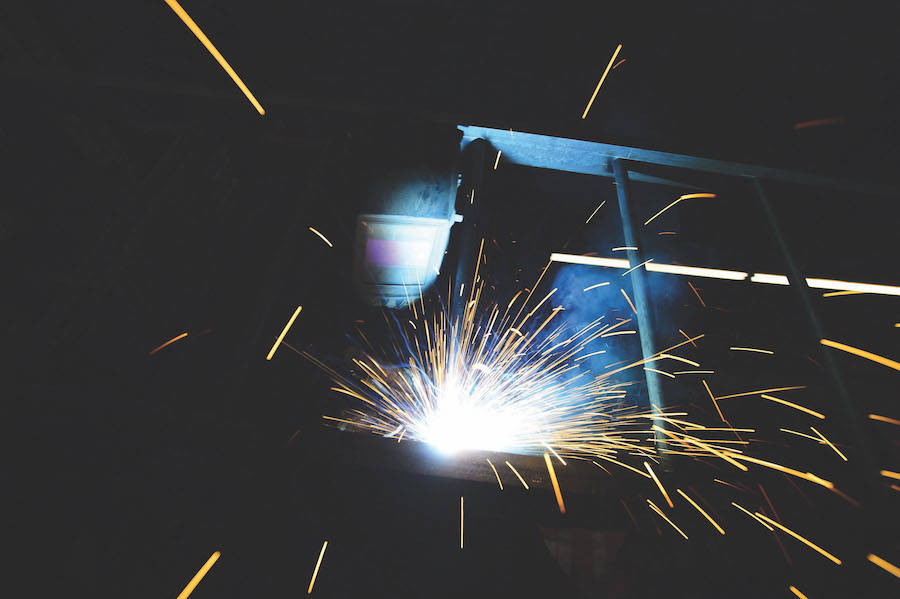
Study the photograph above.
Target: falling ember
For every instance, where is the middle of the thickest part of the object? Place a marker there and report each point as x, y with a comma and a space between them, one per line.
499, 482
699, 509
835, 120
519, 476
283, 333
199, 575
753, 349
884, 564
884, 419
195, 29
322, 237
684, 197
461, 519
659, 484
559, 499
793, 405
800, 538
666, 518
606, 72
169, 342
316, 570
797, 592
594, 212
862, 353
697, 293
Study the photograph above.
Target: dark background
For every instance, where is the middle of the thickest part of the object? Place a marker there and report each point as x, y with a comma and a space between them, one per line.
143, 197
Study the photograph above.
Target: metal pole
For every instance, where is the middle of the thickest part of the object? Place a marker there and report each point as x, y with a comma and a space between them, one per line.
641, 298
798, 283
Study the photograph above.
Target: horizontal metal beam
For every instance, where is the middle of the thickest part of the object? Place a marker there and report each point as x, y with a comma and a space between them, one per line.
594, 158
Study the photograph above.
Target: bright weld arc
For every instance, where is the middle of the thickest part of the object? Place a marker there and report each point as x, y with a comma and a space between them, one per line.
199, 575
195, 29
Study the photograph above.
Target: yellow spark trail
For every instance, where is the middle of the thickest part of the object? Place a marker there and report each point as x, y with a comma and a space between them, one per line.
283, 333
684, 197
608, 67
169, 342
886, 565
316, 571
889, 474
797, 592
628, 299
461, 520
862, 354
830, 444
801, 539
322, 237
195, 29
793, 405
559, 499
753, 349
499, 482
884, 419
699, 509
664, 517
659, 484
199, 576
594, 212
519, 476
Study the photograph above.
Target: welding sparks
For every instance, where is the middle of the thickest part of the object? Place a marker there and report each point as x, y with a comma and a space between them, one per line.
884, 419
837, 120
497, 160
594, 212
316, 571
890, 474
862, 353
684, 197
461, 520
169, 342
322, 237
559, 499
793, 405
800, 538
752, 349
797, 592
699, 509
499, 482
608, 67
199, 575
830, 444
628, 299
637, 267
519, 476
666, 518
283, 333
595, 286
215, 53
659, 484
884, 564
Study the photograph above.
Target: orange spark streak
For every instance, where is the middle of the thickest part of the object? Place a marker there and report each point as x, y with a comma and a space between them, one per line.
659, 484
699, 509
659, 511
886, 565
793, 405
804, 475
714, 402
170, 341
195, 29
620, 62
316, 571
834, 293
684, 197
749, 513
559, 499
889, 474
608, 67
694, 289
796, 591
499, 482
830, 444
686, 336
835, 120
760, 391
628, 299
884, 419
862, 354
283, 333
801, 539
519, 476
199, 575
